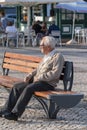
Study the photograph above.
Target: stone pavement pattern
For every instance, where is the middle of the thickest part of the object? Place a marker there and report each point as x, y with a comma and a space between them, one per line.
34, 117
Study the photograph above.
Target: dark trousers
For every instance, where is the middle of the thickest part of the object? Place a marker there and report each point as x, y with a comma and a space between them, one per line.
21, 94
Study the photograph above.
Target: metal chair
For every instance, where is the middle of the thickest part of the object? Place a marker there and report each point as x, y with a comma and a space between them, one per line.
83, 35
20, 37
77, 34
12, 36
80, 34
29, 36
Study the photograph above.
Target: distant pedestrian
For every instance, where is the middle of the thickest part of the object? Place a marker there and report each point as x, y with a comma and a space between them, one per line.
1, 28
37, 27
44, 28
3, 20
53, 27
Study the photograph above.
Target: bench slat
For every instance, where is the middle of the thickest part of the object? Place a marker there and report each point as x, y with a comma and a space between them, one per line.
20, 62
10, 78
5, 84
23, 57
8, 81
17, 68
47, 93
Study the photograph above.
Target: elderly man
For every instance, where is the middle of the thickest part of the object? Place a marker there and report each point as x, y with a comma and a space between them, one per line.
44, 78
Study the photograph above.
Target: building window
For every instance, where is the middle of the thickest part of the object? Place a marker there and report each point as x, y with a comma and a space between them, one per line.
68, 15
37, 12
24, 14
79, 17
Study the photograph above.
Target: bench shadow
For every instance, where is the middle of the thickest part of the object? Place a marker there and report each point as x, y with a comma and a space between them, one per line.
74, 121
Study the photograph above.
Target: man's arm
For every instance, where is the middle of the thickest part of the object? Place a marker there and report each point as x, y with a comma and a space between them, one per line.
30, 75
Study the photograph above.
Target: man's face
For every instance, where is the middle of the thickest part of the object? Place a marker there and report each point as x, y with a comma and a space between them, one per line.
44, 49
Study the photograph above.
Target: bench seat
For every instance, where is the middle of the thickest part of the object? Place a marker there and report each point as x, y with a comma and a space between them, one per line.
61, 98
58, 99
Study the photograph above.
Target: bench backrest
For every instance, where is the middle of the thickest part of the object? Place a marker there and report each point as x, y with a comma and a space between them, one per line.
26, 63
67, 75
20, 62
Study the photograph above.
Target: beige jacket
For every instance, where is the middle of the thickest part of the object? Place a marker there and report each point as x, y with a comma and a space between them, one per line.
50, 70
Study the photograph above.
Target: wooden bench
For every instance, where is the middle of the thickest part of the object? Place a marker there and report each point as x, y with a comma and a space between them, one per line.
51, 101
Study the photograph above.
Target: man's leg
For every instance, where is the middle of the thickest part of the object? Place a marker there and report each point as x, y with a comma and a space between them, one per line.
26, 96
13, 97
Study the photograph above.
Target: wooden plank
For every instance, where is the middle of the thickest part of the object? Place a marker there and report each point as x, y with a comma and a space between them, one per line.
6, 85
23, 57
13, 79
17, 68
8, 81
21, 62
48, 93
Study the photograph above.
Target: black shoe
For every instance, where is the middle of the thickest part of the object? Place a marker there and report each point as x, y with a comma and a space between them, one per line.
11, 116
3, 112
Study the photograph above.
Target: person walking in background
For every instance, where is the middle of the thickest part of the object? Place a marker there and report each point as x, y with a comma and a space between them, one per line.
44, 78
44, 29
37, 27
54, 31
3, 20
52, 27
1, 28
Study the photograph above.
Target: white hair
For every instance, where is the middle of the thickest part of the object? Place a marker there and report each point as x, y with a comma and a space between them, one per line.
49, 41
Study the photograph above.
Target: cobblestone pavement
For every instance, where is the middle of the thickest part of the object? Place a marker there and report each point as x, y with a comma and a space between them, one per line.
34, 117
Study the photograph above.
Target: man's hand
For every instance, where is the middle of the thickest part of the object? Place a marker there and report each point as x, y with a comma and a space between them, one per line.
35, 79
27, 78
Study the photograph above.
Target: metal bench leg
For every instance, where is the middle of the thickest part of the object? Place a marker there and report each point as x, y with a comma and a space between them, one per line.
53, 109
43, 104
49, 107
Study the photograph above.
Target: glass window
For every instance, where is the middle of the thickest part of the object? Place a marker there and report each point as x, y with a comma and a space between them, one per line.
79, 17
36, 13
63, 16
66, 14
69, 16
24, 14
37, 10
